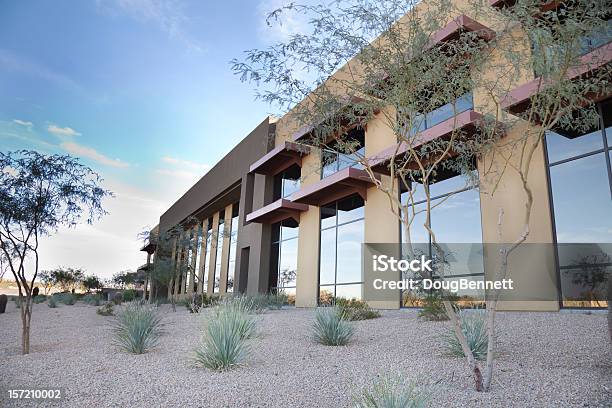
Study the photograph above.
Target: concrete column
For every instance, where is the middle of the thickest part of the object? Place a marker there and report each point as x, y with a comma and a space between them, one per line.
307, 293
179, 259
173, 268
212, 259
381, 224
202, 255
510, 196
225, 250
194, 253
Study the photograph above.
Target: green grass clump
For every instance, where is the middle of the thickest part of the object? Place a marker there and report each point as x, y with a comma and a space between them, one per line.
129, 295
394, 392
92, 299
39, 299
52, 303
330, 328
474, 327
137, 327
353, 309
65, 298
224, 341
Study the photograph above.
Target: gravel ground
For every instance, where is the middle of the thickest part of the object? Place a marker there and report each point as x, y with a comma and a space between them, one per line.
546, 360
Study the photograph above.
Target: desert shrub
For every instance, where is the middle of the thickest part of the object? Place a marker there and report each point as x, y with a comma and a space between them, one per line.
137, 327
52, 303
433, 309
65, 298
92, 299
394, 392
106, 309
39, 299
117, 298
354, 309
474, 326
326, 298
129, 295
224, 340
330, 328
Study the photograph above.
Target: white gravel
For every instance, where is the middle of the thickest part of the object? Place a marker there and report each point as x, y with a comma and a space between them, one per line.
546, 360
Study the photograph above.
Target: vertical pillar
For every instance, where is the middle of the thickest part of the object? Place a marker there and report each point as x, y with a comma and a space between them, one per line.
202, 255
381, 224
178, 279
172, 269
212, 259
225, 250
307, 281
195, 232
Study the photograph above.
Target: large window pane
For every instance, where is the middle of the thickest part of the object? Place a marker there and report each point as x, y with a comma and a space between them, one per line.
350, 238
350, 208
561, 147
231, 271
328, 216
457, 218
582, 204
287, 273
219, 259
327, 271
349, 291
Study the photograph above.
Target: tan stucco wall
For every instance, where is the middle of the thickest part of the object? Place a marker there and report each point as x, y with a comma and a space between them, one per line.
307, 282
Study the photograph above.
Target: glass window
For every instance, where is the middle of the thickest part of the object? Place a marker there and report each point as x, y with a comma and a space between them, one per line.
287, 182
562, 147
219, 258
583, 211
339, 157
207, 237
340, 249
287, 272
231, 271
426, 120
283, 264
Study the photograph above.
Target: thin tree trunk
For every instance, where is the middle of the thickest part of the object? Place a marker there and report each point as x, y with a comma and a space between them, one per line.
26, 317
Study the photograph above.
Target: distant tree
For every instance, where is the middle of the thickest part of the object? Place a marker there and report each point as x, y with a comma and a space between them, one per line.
3, 266
38, 194
124, 279
92, 282
67, 278
47, 280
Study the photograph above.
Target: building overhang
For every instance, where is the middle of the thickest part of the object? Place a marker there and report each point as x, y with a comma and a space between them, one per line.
280, 158
519, 99
306, 132
339, 185
458, 25
466, 122
143, 268
149, 247
277, 211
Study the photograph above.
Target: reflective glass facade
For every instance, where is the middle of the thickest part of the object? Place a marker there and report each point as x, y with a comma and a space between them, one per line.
581, 190
333, 161
342, 233
283, 260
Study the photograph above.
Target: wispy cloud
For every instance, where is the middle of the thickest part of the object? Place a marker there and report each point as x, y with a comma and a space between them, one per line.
290, 22
62, 131
185, 163
13, 62
23, 123
93, 154
168, 15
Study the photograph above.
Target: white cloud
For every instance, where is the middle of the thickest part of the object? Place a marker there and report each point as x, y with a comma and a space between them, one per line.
168, 15
23, 123
185, 163
92, 154
290, 22
62, 131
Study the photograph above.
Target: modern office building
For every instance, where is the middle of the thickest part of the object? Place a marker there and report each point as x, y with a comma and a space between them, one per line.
278, 214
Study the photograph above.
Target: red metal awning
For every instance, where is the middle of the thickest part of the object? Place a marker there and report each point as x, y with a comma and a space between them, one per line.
465, 121
458, 25
519, 99
339, 185
277, 211
280, 158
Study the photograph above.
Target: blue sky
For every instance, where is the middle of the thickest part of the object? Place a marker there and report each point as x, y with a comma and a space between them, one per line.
140, 90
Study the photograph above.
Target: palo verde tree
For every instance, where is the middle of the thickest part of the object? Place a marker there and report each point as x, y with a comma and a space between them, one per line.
39, 194
365, 63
